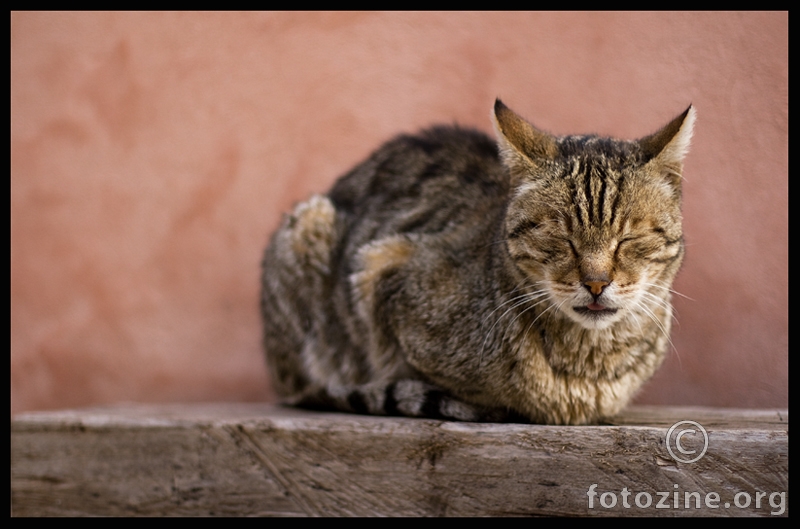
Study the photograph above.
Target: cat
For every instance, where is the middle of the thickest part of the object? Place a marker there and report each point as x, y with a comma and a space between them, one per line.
450, 276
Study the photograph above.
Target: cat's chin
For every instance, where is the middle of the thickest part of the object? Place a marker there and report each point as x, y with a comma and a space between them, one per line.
594, 316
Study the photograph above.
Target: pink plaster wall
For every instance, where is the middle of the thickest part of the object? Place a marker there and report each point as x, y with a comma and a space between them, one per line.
153, 153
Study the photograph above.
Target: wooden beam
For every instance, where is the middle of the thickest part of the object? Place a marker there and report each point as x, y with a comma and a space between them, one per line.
266, 460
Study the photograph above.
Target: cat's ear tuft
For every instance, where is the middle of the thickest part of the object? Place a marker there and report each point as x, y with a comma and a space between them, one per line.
668, 146
521, 144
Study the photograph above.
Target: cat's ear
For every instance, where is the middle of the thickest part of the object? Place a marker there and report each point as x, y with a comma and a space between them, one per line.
668, 147
522, 146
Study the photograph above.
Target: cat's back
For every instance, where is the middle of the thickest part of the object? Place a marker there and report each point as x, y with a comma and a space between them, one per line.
423, 183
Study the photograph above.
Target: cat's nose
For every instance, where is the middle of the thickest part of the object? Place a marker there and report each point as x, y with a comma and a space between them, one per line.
595, 287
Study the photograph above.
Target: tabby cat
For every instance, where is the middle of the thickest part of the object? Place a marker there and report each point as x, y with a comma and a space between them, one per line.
451, 276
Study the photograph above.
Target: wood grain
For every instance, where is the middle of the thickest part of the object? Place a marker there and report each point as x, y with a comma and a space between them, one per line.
265, 460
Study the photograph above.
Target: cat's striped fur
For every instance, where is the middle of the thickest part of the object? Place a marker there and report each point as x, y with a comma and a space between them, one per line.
456, 277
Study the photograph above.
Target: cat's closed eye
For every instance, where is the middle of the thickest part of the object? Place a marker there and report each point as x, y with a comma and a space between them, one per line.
573, 249
654, 246
524, 228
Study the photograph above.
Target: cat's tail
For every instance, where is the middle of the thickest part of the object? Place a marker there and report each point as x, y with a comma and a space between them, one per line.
408, 398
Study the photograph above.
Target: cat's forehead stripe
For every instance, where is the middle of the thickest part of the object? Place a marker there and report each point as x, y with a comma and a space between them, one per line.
595, 191
580, 200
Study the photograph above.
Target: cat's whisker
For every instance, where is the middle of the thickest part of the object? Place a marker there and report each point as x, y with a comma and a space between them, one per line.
525, 298
656, 300
531, 324
638, 324
545, 311
534, 305
663, 304
528, 296
548, 309
655, 319
669, 290
660, 326
509, 327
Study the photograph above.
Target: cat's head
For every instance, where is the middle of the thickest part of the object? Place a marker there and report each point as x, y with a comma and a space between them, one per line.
593, 223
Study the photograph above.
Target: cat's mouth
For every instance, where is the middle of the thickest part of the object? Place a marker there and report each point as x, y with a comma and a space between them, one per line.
595, 310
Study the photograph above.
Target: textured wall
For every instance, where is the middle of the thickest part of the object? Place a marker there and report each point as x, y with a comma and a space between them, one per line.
153, 153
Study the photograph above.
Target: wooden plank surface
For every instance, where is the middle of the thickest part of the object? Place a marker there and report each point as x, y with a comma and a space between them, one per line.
266, 460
